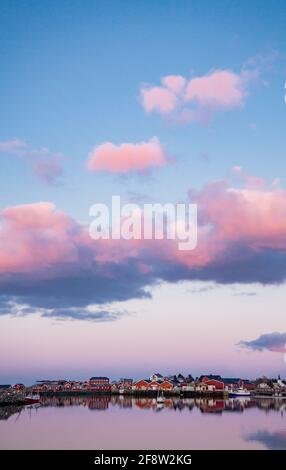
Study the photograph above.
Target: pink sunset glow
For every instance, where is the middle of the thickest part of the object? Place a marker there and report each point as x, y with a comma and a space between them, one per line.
196, 99
175, 83
158, 99
142, 225
36, 236
256, 217
127, 157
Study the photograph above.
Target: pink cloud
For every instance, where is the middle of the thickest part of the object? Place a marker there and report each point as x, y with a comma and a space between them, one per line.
163, 99
48, 260
250, 181
158, 99
36, 236
198, 98
221, 89
255, 217
175, 83
12, 146
46, 165
127, 157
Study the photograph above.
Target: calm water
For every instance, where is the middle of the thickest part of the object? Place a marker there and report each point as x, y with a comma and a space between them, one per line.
125, 423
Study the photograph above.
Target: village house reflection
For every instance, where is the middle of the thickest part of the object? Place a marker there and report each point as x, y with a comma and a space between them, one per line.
205, 405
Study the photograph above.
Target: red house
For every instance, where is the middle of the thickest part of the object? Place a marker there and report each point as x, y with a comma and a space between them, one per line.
99, 384
68, 386
154, 385
218, 384
166, 385
141, 385
249, 386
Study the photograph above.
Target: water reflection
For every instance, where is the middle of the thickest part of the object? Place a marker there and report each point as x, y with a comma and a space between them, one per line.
125, 422
218, 406
7, 411
271, 440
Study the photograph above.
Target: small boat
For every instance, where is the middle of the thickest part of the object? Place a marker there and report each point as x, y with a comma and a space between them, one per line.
160, 398
31, 399
239, 392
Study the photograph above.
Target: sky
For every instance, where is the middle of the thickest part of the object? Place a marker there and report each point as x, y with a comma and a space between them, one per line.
156, 102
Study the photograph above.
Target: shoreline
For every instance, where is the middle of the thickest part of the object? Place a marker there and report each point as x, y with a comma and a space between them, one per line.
135, 393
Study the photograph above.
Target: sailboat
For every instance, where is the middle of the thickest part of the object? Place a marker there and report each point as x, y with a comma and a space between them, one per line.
160, 397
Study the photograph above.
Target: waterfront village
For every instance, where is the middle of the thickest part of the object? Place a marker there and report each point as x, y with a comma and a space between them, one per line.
157, 385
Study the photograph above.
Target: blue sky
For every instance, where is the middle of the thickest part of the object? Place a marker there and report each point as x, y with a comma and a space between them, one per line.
70, 80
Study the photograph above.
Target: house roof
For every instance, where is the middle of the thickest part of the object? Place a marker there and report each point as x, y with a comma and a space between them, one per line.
210, 377
230, 380
174, 382
99, 378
